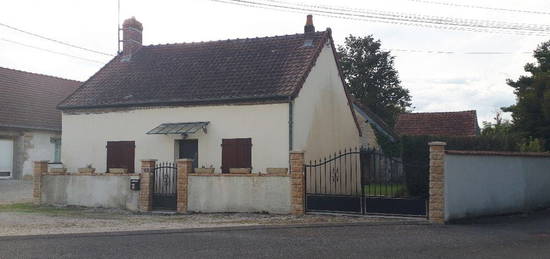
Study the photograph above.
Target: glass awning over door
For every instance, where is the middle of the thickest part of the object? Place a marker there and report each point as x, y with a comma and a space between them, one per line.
181, 128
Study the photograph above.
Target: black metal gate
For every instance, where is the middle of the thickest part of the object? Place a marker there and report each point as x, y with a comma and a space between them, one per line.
165, 186
365, 181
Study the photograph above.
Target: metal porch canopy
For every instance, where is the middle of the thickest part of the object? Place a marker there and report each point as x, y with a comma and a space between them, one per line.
181, 128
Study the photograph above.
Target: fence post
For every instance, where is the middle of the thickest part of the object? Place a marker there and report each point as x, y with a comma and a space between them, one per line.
39, 168
437, 182
185, 167
146, 184
297, 181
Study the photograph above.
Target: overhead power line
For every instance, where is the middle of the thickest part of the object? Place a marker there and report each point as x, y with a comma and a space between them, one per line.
438, 22
458, 52
481, 7
51, 51
54, 40
419, 18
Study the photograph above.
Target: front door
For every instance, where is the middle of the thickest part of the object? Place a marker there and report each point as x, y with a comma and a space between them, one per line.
6, 158
189, 148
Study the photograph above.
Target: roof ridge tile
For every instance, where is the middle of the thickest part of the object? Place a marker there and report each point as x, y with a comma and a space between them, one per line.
39, 74
231, 39
464, 111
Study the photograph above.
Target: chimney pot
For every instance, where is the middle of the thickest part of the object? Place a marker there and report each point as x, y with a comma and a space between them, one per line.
131, 36
309, 28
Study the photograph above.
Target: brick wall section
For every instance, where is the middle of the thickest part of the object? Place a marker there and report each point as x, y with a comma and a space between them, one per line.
437, 183
297, 181
146, 185
39, 168
185, 167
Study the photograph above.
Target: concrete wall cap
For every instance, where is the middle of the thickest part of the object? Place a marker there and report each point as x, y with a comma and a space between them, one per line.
297, 152
184, 160
148, 160
437, 143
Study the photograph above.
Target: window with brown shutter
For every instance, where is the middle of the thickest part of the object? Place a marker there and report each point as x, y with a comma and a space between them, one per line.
121, 154
236, 153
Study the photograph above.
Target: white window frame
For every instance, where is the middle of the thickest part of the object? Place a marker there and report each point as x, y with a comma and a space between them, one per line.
12, 156
56, 149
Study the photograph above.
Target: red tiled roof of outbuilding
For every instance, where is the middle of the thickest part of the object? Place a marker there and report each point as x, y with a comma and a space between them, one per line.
462, 123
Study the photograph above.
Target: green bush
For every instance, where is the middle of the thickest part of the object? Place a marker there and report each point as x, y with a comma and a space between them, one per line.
532, 145
388, 147
416, 155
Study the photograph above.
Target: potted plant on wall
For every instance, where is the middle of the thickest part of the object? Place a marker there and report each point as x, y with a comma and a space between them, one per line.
118, 170
87, 170
57, 170
240, 170
205, 170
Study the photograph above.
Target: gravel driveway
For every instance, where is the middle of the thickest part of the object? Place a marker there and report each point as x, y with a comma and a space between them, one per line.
15, 191
28, 219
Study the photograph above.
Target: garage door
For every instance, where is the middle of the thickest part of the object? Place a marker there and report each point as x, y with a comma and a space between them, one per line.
6, 158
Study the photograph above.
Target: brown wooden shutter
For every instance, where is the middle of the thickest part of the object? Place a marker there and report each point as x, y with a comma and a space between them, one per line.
236, 153
121, 154
228, 154
245, 153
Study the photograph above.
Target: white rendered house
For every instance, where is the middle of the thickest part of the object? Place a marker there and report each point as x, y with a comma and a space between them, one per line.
240, 103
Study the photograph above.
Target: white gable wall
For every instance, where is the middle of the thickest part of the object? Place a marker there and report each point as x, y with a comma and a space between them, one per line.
85, 135
322, 119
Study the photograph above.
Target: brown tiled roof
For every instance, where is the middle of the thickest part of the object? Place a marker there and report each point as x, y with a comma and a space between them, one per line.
256, 69
29, 100
463, 123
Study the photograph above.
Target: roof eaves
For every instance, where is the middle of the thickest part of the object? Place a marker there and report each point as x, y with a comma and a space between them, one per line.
310, 65
341, 75
30, 127
229, 100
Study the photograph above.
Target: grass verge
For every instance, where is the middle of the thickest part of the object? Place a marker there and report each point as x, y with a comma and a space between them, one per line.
42, 209
389, 190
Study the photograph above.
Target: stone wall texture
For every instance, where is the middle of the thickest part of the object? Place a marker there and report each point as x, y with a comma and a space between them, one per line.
297, 181
437, 182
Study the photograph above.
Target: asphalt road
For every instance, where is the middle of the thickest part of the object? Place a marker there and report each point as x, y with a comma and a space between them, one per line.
502, 237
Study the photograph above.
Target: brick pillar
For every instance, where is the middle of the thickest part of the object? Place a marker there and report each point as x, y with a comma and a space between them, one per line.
39, 168
185, 167
146, 185
437, 182
297, 180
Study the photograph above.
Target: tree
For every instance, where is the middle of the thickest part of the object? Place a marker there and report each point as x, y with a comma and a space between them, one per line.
372, 78
500, 128
531, 113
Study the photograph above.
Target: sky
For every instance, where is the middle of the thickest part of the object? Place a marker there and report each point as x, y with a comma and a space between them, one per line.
437, 82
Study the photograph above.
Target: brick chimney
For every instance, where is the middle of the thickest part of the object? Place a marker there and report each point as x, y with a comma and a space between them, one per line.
309, 28
131, 36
